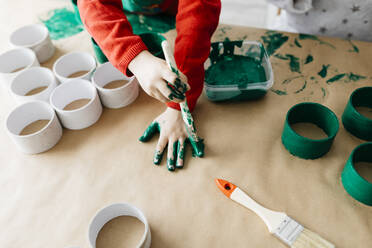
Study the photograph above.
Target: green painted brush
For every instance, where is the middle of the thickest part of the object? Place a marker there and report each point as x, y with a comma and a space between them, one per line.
178, 90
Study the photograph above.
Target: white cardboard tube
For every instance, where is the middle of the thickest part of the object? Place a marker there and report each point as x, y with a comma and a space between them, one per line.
27, 113
73, 90
35, 37
15, 59
74, 62
115, 210
30, 79
118, 97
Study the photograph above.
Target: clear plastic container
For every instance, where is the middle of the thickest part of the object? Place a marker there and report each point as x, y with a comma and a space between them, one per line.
240, 90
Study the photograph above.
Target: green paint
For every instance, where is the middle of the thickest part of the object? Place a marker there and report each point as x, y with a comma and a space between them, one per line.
279, 92
273, 41
62, 24
150, 131
153, 42
348, 77
158, 157
76, 9
354, 77
314, 37
297, 43
312, 78
302, 88
198, 148
101, 57
288, 80
309, 59
171, 161
355, 48
324, 92
159, 23
280, 56
294, 63
323, 71
336, 78
178, 90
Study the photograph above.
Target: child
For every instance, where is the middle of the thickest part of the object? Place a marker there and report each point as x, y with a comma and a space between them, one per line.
347, 19
196, 20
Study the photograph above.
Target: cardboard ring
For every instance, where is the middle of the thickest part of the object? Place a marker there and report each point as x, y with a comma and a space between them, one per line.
115, 210
355, 185
353, 121
317, 114
117, 97
35, 37
39, 141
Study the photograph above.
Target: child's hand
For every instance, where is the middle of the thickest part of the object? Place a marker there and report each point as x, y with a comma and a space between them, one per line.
157, 79
172, 132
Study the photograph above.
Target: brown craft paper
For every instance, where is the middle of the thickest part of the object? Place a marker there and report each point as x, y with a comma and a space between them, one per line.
50, 198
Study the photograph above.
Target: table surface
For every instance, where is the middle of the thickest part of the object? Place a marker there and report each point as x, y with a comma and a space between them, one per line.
49, 199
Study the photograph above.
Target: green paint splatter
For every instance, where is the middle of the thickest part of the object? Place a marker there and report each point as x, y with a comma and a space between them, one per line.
312, 78
302, 88
309, 59
354, 77
314, 37
324, 92
159, 23
288, 80
62, 23
323, 72
336, 78
279, 92
171, 161
178, 90
273, 41
297, 43
280, 56
355, 48
294, 63
158, 157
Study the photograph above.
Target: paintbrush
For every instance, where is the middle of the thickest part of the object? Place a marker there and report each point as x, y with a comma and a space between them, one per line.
178, 90
280, 224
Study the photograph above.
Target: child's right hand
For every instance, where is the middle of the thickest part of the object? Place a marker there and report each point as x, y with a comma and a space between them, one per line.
154, 77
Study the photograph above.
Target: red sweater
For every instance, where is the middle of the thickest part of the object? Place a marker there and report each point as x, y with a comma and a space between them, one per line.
196, 20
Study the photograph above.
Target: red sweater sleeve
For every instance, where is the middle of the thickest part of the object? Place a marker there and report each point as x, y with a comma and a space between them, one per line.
196, 21
106, 22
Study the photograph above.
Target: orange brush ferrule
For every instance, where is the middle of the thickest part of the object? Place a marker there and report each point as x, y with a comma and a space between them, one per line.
226, 187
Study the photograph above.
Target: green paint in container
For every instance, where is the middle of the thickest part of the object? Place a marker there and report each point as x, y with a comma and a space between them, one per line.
101, 57
237, 71
77, 14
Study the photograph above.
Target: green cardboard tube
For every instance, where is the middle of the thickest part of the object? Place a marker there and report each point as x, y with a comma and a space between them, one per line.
354, 122
317, 114
77, 14
153, 42
355, 185
101, 57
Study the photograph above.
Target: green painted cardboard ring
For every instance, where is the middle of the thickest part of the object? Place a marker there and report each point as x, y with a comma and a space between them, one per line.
77, 14
355, 185
354, 122
314, 113
101, 57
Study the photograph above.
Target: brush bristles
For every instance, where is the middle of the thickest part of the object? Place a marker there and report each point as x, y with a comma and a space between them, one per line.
309, 239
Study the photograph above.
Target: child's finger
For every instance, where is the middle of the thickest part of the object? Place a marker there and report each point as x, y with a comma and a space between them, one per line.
162, 143
150, 131
180, 153
166, 92
172, 155
169, 76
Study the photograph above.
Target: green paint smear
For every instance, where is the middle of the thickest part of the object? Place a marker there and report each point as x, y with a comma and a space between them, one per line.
178, 89
294, 63
288, 80
309, 59
302, 89
355, 48
158, 157
279, 92
323, 71
324, 92
297, 43
171, 162
159, 23
348, 77
314, 37
198, 148
280, 56
273, 41
62, 23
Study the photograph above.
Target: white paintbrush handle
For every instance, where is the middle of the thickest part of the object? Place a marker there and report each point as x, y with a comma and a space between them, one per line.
168, 55
271, 218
